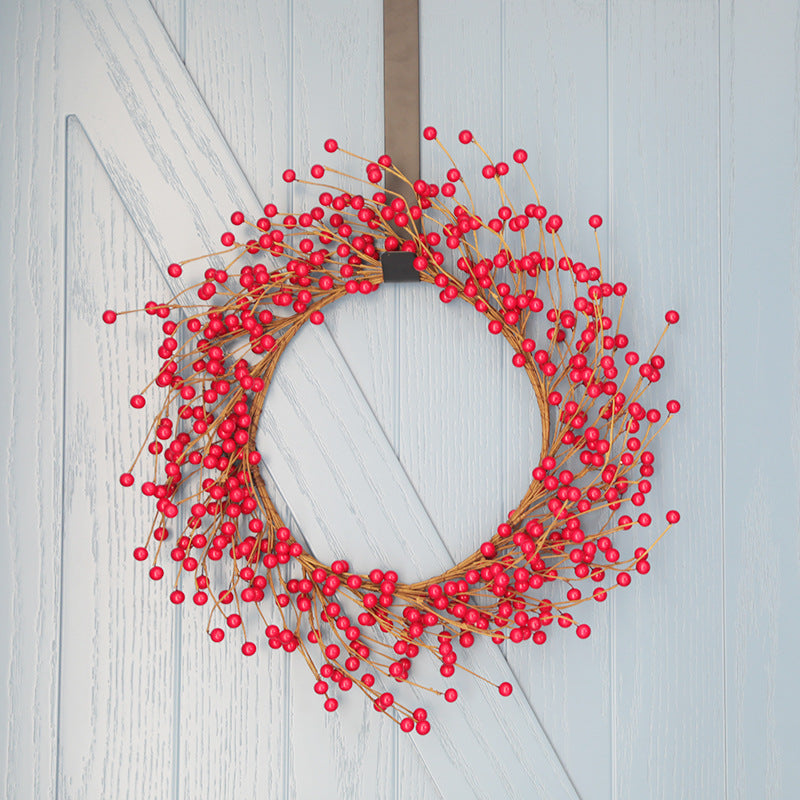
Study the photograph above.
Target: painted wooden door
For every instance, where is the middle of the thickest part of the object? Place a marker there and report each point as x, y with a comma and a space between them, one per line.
128, 135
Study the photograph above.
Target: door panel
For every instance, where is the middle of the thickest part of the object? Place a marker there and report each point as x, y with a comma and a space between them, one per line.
127, 141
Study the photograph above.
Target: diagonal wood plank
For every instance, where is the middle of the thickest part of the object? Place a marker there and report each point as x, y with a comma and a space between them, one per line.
175, 173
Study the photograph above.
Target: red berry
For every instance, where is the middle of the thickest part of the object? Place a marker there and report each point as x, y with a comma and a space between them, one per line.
520, 156
109, 317
331, 145
289, 175
553, 224
595, 220
429, 133
451, 695
673, 517
140, 554
177, 597
465, 137
505, 689
583, 631
248, 648
672, 317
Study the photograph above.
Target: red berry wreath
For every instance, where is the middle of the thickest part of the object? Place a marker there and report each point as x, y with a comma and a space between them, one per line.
233, 547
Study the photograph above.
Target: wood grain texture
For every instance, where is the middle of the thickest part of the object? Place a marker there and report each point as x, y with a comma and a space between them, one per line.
116, 715
330, 98
238, 58
31, 358
760, 246
668, 708
168, 168
678, 123
556, 108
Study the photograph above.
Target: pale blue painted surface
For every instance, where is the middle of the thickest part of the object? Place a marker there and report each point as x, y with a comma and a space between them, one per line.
680, 124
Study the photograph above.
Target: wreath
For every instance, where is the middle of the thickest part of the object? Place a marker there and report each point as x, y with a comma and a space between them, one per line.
230, 548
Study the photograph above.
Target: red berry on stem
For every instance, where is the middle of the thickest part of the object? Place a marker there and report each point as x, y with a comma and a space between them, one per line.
505, 689
553, 224
109, 317
465, 137
595, 220
331, 145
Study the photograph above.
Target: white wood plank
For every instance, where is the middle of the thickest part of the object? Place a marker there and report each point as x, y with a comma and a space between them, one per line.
117, 657
31, 247
352, 753
555, 106
668, 712
158, 105
760, 214
172, 15
237, 57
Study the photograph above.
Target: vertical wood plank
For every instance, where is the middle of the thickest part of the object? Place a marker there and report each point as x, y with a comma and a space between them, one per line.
554, 90
450, 365
114, 738
668, 712
337, 89
32, 252
238, 55
760, 214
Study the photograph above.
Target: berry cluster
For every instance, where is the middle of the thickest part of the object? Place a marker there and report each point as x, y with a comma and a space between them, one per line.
215, 523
